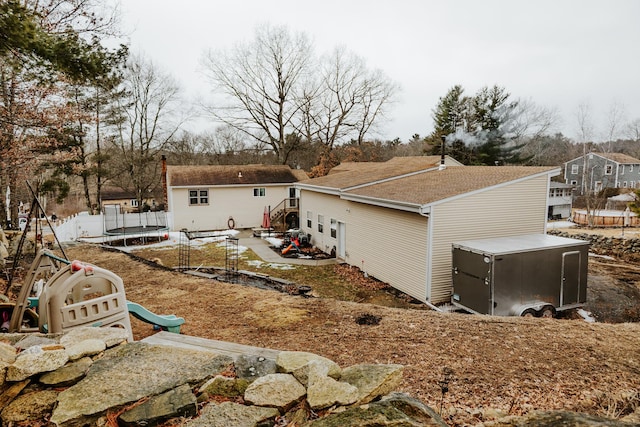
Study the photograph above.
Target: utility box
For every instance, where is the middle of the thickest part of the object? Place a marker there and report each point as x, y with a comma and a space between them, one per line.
529, 275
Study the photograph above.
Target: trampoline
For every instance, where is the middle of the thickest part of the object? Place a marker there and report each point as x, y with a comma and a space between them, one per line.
144, 225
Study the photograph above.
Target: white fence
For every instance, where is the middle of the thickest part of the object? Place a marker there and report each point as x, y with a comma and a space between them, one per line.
85, 226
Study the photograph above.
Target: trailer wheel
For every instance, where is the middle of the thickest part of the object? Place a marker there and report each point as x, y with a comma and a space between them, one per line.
548, 312
529, 312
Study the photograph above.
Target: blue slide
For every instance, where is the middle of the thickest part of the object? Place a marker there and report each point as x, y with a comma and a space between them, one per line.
167, 322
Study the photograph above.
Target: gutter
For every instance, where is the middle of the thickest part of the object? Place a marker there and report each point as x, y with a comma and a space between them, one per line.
385, 203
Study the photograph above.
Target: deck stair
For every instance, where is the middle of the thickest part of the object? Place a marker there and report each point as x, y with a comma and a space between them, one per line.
279, 214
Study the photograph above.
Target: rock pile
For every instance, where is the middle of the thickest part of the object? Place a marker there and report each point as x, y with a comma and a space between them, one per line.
604, 244
92, 376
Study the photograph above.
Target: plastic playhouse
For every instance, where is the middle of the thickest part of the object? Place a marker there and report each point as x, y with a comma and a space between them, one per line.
59, 295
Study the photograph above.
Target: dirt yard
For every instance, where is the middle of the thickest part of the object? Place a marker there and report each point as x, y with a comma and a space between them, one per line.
470, 368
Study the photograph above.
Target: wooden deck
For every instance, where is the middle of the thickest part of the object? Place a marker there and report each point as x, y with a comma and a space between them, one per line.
219, 347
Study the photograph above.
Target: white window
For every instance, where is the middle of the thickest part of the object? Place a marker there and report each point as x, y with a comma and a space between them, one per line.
574, 169
621, 169
624, 184
198, 197
574, 182
630, 168
334, 228
320, 223
134, 203
309, 219
259, 192
632, 184
608, 169
552, 192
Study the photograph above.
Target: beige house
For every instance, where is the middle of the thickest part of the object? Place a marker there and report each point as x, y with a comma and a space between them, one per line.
397, 220
228, 196
125, 200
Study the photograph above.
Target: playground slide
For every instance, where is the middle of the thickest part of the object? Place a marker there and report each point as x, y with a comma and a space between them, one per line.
168, 322
287, 249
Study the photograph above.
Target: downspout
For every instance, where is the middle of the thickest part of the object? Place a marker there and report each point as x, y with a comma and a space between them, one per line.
425, 212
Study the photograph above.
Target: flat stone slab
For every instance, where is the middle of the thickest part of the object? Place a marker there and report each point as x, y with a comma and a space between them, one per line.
130, 372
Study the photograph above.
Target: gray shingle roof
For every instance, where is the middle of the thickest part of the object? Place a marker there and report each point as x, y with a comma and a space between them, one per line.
435, 185
620, 158
180, 176
351, 174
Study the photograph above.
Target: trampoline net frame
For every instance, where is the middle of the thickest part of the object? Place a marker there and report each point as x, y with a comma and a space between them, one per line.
116, 222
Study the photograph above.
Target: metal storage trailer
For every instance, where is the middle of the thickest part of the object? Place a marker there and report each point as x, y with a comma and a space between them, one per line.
536, 274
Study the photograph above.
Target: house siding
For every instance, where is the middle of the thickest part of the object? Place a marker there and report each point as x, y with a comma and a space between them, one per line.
237, 202
387, 244
510, 210
625, 175
329, 207
391, 246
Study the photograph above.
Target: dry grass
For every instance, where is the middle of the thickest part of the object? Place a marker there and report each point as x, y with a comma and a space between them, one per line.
512, 364
341, 282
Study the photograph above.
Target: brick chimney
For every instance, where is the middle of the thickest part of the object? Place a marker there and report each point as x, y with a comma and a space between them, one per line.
165, 200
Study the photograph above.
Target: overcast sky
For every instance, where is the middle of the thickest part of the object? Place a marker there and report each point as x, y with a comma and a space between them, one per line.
557, 53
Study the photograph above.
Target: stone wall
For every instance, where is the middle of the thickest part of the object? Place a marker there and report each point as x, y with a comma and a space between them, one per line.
92, 376
605, 245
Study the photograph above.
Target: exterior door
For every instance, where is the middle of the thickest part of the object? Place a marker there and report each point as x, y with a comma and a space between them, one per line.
472, 278
570, 287
342, 240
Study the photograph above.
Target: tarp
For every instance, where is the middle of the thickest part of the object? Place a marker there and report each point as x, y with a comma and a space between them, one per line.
266, 219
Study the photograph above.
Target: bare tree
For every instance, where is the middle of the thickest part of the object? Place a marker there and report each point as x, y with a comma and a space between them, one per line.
277, 94
585, 133
262, 83
615, 118
349, 100
632, 130
533, 121
149, 118
84, 16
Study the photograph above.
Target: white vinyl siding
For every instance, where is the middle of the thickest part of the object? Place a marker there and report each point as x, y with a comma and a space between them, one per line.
518, 208
331, 207
389, 245
236, 202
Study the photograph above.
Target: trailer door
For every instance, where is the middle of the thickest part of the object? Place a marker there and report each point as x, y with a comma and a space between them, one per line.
472, 280
570, 286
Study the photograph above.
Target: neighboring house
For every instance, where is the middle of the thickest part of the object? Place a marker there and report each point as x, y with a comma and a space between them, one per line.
126, 200
396, 220
595, 171
229, 196
560, 200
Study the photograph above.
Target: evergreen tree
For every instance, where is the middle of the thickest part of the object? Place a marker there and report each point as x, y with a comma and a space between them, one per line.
476, 129
492, 120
